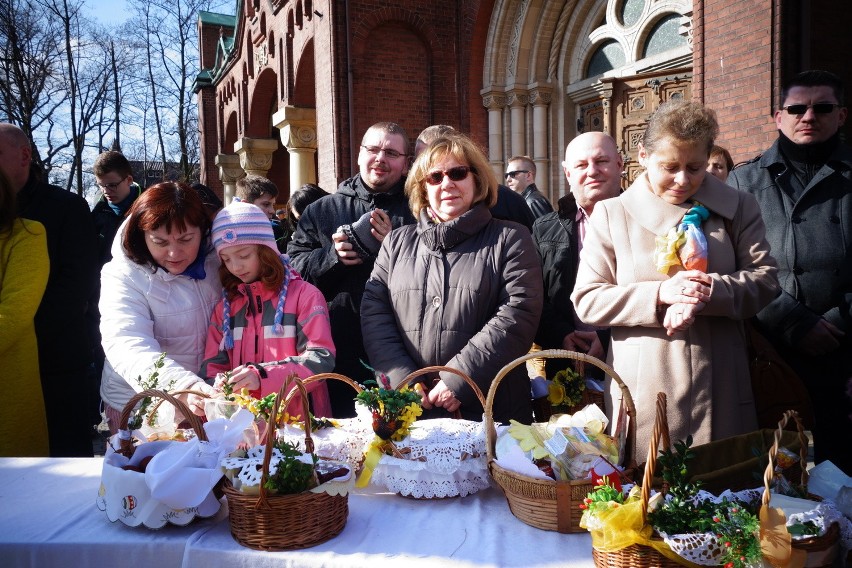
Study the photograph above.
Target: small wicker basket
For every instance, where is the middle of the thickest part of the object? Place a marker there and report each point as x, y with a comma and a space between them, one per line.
409, 473
822, 550
346, 443
548, 504
285, 522
640, 555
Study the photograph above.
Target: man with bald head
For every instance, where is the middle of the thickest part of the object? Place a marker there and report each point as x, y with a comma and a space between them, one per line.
593, 169
335, 245
64, 350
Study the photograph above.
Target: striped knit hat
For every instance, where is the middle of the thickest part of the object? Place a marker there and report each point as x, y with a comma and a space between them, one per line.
245, 224
242, 224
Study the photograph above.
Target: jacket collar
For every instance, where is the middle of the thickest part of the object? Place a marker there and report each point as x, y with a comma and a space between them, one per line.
356, 187
444, 236
773, 159
658, 216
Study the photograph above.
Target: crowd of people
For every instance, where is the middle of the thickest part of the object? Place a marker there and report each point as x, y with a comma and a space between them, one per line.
424, 258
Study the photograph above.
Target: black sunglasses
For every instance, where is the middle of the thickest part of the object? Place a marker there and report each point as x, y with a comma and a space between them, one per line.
514, 173
457, 173
819, 108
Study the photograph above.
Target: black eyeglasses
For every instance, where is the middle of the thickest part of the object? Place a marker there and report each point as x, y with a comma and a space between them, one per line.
457, 173
111, 185
375, 150
819, 108
514, 173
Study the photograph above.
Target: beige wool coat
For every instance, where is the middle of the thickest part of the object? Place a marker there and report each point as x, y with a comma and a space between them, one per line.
704, 369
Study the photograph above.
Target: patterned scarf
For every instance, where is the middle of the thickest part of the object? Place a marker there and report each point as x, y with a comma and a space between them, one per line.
685, 244
227, 342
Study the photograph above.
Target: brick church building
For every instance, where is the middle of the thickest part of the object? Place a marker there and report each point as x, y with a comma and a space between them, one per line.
288, 87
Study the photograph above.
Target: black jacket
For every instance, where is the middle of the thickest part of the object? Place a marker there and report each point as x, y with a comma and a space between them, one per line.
511, 206
107, 222
556, 242
71, 245
313, 255
811, 237
536, 201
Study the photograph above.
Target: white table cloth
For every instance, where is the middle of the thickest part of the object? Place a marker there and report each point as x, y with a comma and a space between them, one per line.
48, 517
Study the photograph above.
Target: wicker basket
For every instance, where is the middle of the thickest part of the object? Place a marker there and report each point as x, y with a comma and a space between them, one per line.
640, 555
285, 522
547, 504
410, 474
821, 550
124, 493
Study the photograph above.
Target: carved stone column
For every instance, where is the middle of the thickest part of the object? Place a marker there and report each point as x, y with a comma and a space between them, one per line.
256, 154
298, 127
495, 103
229, 172
517, 100
540, 97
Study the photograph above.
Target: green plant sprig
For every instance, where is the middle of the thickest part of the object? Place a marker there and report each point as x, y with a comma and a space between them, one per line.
292, 475
138, 417
566, 388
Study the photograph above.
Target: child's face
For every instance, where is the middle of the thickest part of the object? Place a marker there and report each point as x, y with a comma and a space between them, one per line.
242, 261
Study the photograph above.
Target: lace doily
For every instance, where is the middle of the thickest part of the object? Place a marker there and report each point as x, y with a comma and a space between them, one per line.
345, 444
444, 457
249, 469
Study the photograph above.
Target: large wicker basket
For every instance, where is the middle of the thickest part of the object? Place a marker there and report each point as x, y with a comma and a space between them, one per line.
285, 522
821, 550
547, 504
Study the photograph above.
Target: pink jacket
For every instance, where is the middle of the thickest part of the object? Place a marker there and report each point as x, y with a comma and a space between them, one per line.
305, 348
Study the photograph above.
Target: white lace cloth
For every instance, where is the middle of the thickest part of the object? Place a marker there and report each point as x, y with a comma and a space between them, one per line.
707, 550
346, 443
444, 457
248, 471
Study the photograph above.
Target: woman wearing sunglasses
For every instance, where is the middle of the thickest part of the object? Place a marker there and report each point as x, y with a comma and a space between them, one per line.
674, 265
459, 288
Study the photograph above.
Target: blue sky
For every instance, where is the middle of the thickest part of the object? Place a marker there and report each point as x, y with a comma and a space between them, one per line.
109, 12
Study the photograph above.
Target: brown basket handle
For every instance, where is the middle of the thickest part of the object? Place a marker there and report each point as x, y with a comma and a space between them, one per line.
126, 448
660, 432
322, 377
626, 398
438, 368
271, 433
769, 474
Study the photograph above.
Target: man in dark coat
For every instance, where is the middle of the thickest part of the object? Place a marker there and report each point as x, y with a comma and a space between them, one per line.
520, 177
803, 184
593, 168
64, 347
335, 245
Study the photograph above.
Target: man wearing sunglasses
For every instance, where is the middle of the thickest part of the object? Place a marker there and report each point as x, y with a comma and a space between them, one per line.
520, 177
335, 245
804, 186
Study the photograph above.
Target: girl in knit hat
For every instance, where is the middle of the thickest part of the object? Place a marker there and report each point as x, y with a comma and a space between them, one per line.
270, 323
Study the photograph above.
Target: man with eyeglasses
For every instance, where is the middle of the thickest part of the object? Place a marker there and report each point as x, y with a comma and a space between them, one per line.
520, 177
64, 350
114, 178
804, 186
335, 245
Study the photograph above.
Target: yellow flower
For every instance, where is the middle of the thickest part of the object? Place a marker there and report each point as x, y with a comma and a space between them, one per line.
555, 393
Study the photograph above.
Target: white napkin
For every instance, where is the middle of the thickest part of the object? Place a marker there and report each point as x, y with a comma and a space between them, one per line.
183, 474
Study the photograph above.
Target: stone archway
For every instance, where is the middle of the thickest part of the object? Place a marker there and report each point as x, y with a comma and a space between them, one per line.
536, 85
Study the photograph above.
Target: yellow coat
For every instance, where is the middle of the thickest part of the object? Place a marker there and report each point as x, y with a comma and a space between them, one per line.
24, 268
